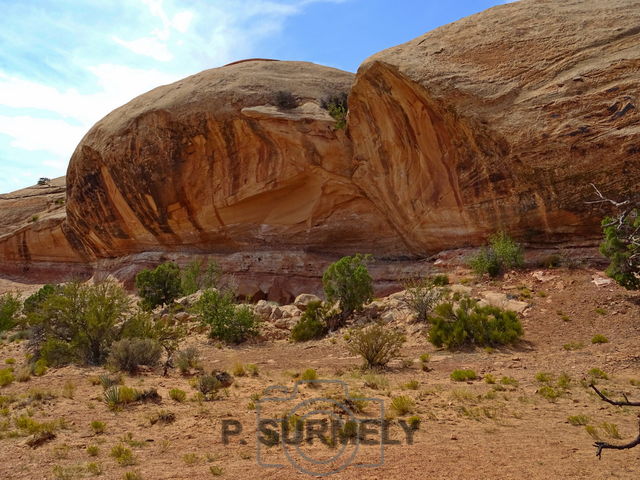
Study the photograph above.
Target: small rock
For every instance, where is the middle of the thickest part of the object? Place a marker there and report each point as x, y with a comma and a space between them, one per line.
601, 281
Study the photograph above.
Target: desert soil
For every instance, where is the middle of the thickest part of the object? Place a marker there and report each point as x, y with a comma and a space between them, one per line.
472, 430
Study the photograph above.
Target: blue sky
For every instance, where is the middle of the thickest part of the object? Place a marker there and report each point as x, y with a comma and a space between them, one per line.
64, 64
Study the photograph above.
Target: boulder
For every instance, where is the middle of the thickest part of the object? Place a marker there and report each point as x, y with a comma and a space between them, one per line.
305, 299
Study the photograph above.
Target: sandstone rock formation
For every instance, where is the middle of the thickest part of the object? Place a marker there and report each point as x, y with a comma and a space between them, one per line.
32, 231
500, 121
213, 163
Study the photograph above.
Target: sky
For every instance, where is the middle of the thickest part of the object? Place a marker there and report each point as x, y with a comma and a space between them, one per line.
65, 64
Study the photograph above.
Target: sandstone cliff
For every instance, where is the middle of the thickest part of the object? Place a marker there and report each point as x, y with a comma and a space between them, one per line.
213, 163
500, 121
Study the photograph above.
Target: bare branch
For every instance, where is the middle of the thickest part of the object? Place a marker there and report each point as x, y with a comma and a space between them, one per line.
604, 199
604, 445
617, 403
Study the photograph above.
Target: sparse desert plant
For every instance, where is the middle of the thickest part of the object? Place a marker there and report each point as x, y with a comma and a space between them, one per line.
469, 324
163, 417
463, 375
160, 286
414, 422
120, 395
215, 470
98, 427
611, 429
228, 322
424, 361
6, 377
285, 100
544, 377
573, 346
129, 353
123, 455
490, 379
597, 339
375, 381
197, 275
348, 282
10, 305
503, 253
238, 370
422, 295
309, 375
132, 476
177, 395
412, 385
252, 369
208, 384
509, 381
312, 324
578, 420
187, 359
596, 373
93, 450
548, 392
68, 389
338, 107
376, 344
402, 404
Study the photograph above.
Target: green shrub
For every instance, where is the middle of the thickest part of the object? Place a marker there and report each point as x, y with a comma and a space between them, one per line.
469, 324
440, 280
463, 375
421, 297
177, 395
39, 368
89, 318
6, 377
309, 375
35, 301
503, 253
621, 247
123, 455
578, 420
160, 286
599, 339
337, 106
376, 344
9, 307
207, 384
402, 404
548, 392
198, 276
285, 100
129, 353
348, 282
312, 324
93, 450
598, 374
228, 322
187, 359
56, 352
98, 427
119, 395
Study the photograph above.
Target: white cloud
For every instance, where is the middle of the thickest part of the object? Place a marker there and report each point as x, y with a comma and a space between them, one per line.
163, 42
149, 46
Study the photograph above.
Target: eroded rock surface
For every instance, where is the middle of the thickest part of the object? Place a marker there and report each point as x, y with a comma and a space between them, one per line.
501, 121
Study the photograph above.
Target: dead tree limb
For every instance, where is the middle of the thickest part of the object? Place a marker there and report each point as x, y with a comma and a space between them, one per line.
618, 403
604, 199
604, 445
